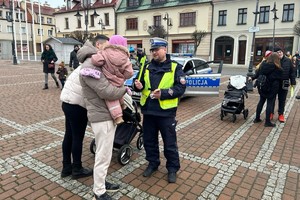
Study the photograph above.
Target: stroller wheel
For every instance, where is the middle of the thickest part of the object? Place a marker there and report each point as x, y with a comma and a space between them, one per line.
140, 143
245, 113
233, 118
124, 154
93, 146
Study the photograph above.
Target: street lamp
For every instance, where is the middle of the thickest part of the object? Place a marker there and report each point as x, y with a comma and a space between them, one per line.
102, 26
86, 5
250, 68
10, 18
169, 23
274, 10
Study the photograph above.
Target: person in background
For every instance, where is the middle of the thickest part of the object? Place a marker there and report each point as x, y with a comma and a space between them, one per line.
288, 55
73, 57
272, 70
62, 73
142, 58
95, 92
288, 78
49, 57
297, 56
162, 82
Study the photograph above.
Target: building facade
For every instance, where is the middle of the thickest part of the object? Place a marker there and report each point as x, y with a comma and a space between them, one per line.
93, 17
234, 30
137, 19
28, 23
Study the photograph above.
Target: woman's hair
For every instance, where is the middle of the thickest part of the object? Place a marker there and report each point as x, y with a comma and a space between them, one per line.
274, 58
50, 47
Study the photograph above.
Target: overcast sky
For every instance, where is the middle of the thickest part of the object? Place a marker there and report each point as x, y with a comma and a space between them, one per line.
54, 3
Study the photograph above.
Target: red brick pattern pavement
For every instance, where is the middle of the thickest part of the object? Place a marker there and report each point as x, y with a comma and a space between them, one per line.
219, 159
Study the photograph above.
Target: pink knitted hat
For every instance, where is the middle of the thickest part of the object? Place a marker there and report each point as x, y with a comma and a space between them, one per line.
118, 40
268, 53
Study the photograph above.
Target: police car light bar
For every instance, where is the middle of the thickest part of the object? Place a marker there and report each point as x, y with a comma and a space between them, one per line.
182, 54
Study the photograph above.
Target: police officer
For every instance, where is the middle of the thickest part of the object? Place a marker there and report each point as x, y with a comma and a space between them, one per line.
161, 82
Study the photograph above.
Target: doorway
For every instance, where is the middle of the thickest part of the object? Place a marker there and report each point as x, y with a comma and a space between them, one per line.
242, 52
224, 49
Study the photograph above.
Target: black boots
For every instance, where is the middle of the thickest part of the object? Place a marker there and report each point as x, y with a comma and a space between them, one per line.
66, 171
57, 85
45, 87
81, 172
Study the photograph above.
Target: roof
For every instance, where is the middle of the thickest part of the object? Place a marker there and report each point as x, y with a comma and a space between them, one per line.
147, 5
97, 4
63, 40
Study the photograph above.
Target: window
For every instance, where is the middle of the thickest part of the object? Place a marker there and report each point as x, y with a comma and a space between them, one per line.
79, 22
131, 24
49, 20
288, 12
42, 19
106, 19
132, 3
9, 29
40, 32
222, 17
242, 16
66, 23
92, 19
264, 14
23, 30
188, 19
1, 14
19, 17
184, 47
158, 1
157, 21
50, 32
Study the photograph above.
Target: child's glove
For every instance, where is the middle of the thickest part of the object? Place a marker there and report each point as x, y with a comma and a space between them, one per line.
128, 91
90, 72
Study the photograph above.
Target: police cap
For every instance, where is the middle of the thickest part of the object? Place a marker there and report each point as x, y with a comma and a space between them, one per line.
158, 42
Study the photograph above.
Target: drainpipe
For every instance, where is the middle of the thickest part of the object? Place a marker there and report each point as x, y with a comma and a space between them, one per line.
211, 29
116, 31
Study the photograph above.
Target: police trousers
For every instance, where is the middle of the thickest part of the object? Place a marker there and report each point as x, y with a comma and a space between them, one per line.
166, 126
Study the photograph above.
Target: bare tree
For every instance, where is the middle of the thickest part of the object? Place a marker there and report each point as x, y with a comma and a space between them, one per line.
297, 28
157, 31
80, 36
197, 36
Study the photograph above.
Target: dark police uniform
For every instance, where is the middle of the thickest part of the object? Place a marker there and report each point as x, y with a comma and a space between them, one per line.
159, 114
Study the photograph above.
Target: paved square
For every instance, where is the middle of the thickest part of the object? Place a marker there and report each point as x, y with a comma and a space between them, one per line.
219, 159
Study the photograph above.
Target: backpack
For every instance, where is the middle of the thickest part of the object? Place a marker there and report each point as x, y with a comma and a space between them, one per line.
262, 83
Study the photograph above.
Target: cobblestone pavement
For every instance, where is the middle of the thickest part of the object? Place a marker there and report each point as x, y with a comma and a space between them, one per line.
219, 159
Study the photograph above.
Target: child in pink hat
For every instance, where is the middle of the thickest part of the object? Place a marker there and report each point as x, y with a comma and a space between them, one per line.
116, 67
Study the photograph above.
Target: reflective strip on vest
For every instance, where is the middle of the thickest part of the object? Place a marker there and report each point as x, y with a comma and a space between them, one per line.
166, 82
142, 62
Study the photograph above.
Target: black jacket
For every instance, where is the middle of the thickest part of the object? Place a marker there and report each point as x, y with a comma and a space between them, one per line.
73, 60
47, 57
274, 76
288, 70
157, 71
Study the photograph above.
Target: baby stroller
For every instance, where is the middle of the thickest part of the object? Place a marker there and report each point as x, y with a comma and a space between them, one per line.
234, 98
125, 133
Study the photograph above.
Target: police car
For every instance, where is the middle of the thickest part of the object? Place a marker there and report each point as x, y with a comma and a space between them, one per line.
200, 78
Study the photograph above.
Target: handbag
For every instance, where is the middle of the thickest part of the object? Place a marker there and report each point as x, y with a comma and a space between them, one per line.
51, 65
285, 84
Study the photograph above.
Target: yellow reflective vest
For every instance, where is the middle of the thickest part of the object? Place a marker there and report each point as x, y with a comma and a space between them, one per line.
166, 82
